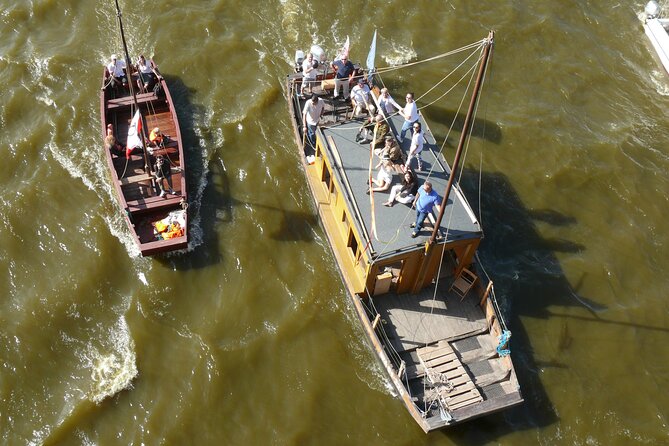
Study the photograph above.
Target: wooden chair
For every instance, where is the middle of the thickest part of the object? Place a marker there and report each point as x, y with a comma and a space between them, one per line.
463, 283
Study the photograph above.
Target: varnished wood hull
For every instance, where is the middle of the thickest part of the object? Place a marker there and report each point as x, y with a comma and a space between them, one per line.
135, 190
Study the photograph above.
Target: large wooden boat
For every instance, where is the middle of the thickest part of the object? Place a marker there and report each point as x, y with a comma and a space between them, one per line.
430, 316
157, 223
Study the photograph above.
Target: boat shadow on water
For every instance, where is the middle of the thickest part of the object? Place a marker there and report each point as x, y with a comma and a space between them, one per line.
209, 200
530, 281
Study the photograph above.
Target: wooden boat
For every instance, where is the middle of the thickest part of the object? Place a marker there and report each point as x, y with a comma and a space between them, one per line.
430, 316
157, 223
657, 30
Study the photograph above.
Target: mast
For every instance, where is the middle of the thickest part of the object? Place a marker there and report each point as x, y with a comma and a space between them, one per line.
465, 132
128, 66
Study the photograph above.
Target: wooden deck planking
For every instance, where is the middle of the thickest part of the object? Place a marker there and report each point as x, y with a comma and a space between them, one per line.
417, 320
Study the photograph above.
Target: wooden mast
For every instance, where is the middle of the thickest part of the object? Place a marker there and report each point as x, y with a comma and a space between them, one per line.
465, 133
463, 138
128, 66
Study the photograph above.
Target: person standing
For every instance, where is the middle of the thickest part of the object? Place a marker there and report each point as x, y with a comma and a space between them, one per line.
311, 114
387, 104
310, 70
410, 115
343, 73
425, 200
163, 173
417, 140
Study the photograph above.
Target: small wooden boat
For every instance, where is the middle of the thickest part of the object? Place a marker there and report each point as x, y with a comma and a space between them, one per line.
158, 222
428, 312
657, 30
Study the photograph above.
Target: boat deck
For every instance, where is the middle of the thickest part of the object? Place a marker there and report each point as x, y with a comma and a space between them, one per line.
393, 233
417, 320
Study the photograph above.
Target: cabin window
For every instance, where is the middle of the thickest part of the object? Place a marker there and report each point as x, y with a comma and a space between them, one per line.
353, 244
326, 178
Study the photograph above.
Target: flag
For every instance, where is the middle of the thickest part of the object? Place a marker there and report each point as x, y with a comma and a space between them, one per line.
372, 54
347, 45
134, 133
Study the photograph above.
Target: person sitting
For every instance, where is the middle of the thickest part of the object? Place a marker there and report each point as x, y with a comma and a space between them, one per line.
361, 100
116, 69
310, 70
384, 178
157, 138
111, 143
366, 133
344, 70
392, 151
163, 173
147, 74
405, 192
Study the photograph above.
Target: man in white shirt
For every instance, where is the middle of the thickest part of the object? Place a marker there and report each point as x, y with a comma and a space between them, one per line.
309, 70
311, 114
361, 99
115, 69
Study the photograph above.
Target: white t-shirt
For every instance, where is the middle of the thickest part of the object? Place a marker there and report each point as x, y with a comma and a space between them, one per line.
312, 112
360, 94
384, 175
412, 111
308, 69
417, 142
116, 69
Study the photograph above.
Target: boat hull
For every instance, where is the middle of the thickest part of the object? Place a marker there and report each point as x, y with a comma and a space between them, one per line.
134, 184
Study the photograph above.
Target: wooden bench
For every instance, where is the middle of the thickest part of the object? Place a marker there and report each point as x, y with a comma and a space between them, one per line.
150, 204
127, 101
135, 179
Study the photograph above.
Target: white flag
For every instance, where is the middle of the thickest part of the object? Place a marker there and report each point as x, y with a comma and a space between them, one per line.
134, 133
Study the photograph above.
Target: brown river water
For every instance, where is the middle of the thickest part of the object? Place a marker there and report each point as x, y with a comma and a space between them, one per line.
249, 338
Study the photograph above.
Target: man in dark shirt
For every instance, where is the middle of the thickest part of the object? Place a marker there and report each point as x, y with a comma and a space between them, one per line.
343, 73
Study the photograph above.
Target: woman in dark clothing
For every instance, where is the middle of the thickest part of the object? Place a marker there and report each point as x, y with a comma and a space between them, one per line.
404, 192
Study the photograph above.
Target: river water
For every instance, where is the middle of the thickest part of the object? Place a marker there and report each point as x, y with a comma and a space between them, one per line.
248, 338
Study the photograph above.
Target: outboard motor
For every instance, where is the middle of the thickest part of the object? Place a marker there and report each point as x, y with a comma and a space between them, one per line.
299, 58
319, 54
652, 10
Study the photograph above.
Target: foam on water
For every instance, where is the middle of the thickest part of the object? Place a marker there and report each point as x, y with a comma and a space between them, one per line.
112, 366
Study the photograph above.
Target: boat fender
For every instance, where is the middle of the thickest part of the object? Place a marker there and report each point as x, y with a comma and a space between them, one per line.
503, 340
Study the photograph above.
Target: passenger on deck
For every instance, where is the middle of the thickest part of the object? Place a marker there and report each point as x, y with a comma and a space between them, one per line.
384, 178
405, 192
147, 74
410, 114
111, 143
392, 151
361, 99
343, 73
366, 132
163, 173
157, 138
310, 70
387, 104
116, 71
416, 148
311, 114
425, 200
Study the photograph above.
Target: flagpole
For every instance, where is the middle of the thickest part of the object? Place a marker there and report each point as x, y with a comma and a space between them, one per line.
128, 65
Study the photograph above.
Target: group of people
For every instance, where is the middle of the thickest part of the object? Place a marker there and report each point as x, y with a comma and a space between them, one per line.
157, 139
147, 75
376, 132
